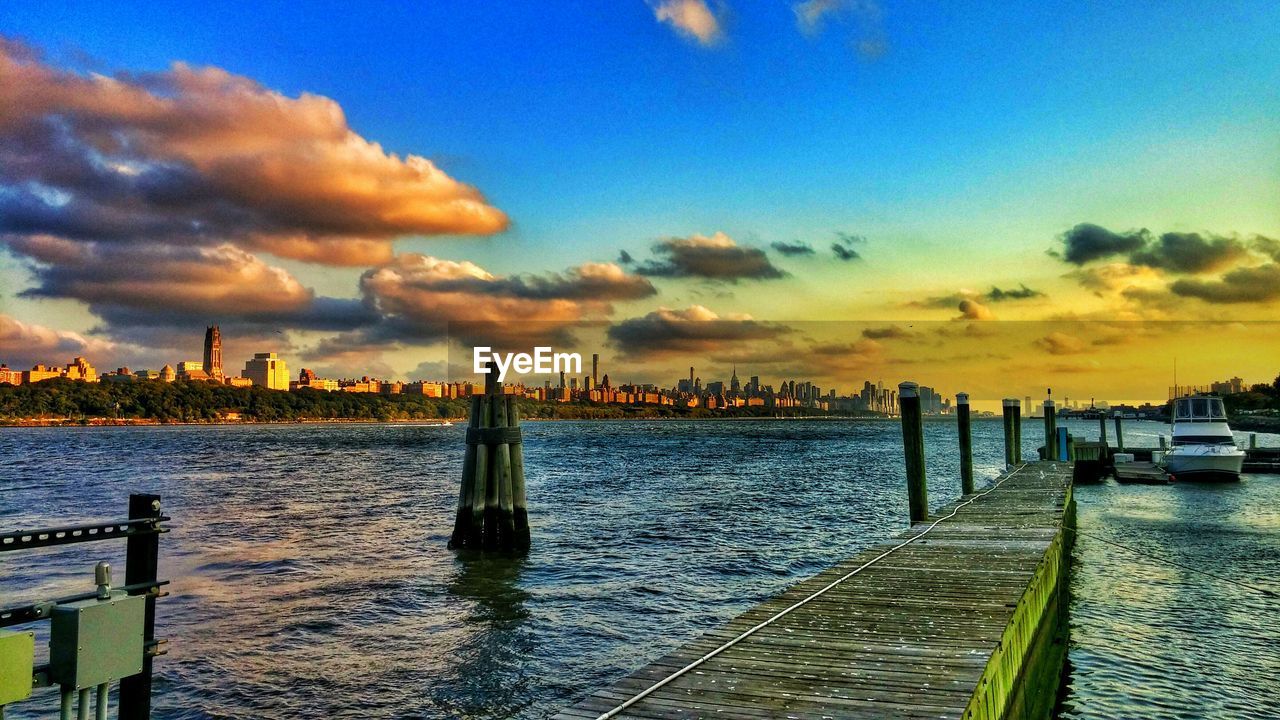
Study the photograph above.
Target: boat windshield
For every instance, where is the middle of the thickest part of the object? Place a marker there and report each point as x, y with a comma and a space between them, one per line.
1200, 408
1216, 409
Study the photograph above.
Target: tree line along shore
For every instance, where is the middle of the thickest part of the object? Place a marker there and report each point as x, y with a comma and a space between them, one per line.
68, 402
63, 402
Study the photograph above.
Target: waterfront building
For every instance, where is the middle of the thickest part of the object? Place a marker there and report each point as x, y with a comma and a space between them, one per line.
308, 379
212, 364
267, 370
80, 369
40, 372
9, 376
120, 375
430, 389
192, 370
1228, 387
167, 373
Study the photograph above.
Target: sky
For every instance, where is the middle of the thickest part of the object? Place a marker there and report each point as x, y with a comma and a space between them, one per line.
666, 182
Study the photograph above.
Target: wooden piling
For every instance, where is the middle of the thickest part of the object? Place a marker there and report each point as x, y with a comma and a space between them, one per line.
492, 508
1119, 434
966, 443
479, 480
501, 470
1050, 432
462, 521
1017, 434
1253, 441
1164, 443
519, 503
913, 449
1009, 407
492, 395
1102, 428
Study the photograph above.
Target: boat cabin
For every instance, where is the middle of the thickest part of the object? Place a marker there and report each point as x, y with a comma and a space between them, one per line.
1200, 421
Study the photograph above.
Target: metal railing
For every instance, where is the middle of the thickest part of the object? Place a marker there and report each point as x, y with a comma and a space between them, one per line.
141, 532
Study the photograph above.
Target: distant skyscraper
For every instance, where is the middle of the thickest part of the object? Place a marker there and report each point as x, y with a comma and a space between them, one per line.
213, 351
595, 370
733, 381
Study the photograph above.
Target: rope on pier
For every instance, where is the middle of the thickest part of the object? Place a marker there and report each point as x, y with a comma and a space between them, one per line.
781, 613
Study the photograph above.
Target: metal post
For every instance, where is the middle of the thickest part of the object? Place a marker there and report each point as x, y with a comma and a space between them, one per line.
966, 443
1010, 455
82, 708
1119, 435
913, 448
100, 707
142, 560
1050, 432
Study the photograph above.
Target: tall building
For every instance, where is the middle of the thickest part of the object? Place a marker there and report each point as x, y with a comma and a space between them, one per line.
267, 370
213, 352
734, 387
595, 370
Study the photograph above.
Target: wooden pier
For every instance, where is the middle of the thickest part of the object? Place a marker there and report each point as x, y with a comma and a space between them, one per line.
962, 616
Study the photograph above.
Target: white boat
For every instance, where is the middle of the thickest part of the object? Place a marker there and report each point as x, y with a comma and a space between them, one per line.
1203, 446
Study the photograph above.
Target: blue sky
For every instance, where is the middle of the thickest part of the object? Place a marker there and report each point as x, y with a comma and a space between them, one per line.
966, 145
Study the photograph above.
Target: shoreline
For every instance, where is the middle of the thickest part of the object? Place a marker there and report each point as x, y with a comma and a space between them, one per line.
143, 422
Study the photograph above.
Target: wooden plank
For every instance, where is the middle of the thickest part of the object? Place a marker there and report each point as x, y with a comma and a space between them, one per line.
916, 634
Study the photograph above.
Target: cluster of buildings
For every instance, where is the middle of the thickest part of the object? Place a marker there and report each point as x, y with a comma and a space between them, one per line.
268, 370
77, 369
1222, 387
264, 369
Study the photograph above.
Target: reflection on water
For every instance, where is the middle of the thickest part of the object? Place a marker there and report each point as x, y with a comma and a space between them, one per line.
311, 578
1151, 640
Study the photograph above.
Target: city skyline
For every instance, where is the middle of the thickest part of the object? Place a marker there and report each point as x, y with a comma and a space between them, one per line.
268, 369
666, 192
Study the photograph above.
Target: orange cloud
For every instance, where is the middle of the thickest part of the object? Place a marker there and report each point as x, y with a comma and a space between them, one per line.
691, 18
202, 156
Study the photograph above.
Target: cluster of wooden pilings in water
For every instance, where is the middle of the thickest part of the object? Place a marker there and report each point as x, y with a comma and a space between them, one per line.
492, 509
913, 442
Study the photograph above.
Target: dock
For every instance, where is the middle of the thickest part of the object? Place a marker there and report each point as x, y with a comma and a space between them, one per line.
1140, 473
961, 616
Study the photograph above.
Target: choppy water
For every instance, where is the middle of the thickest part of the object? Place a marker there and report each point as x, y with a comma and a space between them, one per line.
310, 575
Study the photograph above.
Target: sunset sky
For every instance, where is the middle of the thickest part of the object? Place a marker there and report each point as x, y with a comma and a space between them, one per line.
669, 183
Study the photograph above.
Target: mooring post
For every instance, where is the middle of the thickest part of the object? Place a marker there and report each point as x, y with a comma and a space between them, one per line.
913, 448
1009, 405
141, 566
466, 490
519, 503
501, 470
1164, 445
479, 478
1119, 434
492, 396
1253, 441
966, 443
1102, 431
1050, 432
1017, 433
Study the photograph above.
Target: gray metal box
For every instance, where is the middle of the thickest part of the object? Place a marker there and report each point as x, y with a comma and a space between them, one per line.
96, 641
17, 661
